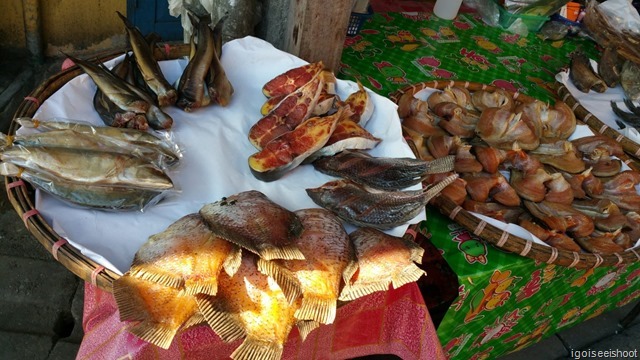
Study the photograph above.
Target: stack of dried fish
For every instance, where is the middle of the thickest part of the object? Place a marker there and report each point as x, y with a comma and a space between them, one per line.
97, 167
252, 270
518, 166
304, 119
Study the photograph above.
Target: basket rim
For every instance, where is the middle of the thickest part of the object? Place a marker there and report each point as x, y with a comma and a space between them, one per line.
21, 194
501, 238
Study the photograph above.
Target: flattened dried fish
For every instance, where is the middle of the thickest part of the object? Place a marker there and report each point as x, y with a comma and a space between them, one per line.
381, 173
328, 255
382, 210
252, 221
583, 76
383, 260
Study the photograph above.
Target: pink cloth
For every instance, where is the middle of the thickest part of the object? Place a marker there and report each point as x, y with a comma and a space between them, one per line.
392, 322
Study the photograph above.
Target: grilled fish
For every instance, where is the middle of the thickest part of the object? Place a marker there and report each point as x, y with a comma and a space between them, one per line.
583, 76
220, 88
191, 87
382, 210
609, 66
381, 173
347, 135
186, 256
328, 255
630, 80
252, 221
289, 81
383, 260
250, 305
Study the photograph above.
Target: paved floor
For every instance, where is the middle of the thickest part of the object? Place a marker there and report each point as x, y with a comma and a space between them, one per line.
41, 302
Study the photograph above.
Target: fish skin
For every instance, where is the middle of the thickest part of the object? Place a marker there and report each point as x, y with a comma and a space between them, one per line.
89, 167
383, 260
220, 88
381, 210
191, 87
250, 305
186, 255
328, 253
610, 66
149, 67
348, 135
252, 221
380, 173
630, 80
583, 76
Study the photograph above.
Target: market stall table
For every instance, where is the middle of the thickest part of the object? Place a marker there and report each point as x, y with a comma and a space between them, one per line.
504, 301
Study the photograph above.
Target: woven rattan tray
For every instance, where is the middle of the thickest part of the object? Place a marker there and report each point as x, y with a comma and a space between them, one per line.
22, 195
500, 238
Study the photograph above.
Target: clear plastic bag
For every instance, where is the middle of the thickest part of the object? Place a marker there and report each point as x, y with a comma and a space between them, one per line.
622, 15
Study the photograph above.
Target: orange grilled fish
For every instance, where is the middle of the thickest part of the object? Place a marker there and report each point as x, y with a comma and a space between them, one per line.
187, 255
291, 80
252, 306
383, 260
328, 255
252, 221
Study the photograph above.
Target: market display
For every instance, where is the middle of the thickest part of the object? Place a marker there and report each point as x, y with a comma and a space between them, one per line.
518, 165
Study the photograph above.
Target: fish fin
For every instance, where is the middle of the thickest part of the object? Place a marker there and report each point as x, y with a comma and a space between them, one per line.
440, 165
130, 307
352, 266
233, 260
221, 321
318, 309
409, 274
207, 286
156, 275
355, 291
287, 252
416, 251
196, 319
305, 327
158, 334
287, 280
252, 348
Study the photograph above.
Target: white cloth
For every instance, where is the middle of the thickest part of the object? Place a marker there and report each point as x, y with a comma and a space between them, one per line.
215, 152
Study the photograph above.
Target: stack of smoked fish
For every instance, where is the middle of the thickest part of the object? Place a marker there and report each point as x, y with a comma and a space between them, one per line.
517, 165
251, 269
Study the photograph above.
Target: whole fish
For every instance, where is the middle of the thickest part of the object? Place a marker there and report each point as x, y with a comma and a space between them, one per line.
191, 87
116, 136
102, 197
630, 80
186, 255
149, 67
382, 209
328, 259
582, 75
158, 311
250, 305
382, 260
381, 173
252, 221
220, 88
89, 167
133, 107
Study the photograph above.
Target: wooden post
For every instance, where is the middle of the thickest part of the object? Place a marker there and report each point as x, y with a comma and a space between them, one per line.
316, 30
32, 27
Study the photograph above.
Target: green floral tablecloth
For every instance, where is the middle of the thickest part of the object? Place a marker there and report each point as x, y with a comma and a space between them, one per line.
505, 302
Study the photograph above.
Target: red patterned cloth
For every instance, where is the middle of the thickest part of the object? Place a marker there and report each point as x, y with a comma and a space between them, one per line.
392, 322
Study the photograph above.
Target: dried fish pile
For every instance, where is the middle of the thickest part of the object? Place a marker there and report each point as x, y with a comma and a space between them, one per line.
517, 165
96, 167
253, 270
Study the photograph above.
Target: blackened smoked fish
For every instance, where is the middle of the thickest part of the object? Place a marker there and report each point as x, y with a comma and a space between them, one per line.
252, 221
381, 173
383, 260
382, 209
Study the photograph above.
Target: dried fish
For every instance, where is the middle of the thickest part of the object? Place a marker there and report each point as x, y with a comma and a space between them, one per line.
627, 117
191, 87
582, 74
610, 66
291, 80
382, 210
630, 80
381, 173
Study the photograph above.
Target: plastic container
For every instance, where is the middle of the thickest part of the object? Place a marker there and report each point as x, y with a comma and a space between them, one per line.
532, 22
357, 20
447, 9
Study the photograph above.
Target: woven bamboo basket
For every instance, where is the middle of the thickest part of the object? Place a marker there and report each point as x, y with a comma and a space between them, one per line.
630, 146
22, 195
500, 238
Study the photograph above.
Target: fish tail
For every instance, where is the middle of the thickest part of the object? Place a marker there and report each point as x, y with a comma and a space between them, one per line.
157, 276
318, 309
287, 281
440, 165
305, 327
195, 319
434, 190
352, 292
287, 252
254, 349
233, 260
221, 321
409, 274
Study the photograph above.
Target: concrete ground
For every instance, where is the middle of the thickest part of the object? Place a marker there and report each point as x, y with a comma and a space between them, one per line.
41, 301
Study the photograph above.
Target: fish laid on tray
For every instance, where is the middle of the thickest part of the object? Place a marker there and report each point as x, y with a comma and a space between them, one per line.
188, 274
551, 180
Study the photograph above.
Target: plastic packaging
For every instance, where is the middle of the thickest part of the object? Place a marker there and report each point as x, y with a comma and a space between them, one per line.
447, 9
